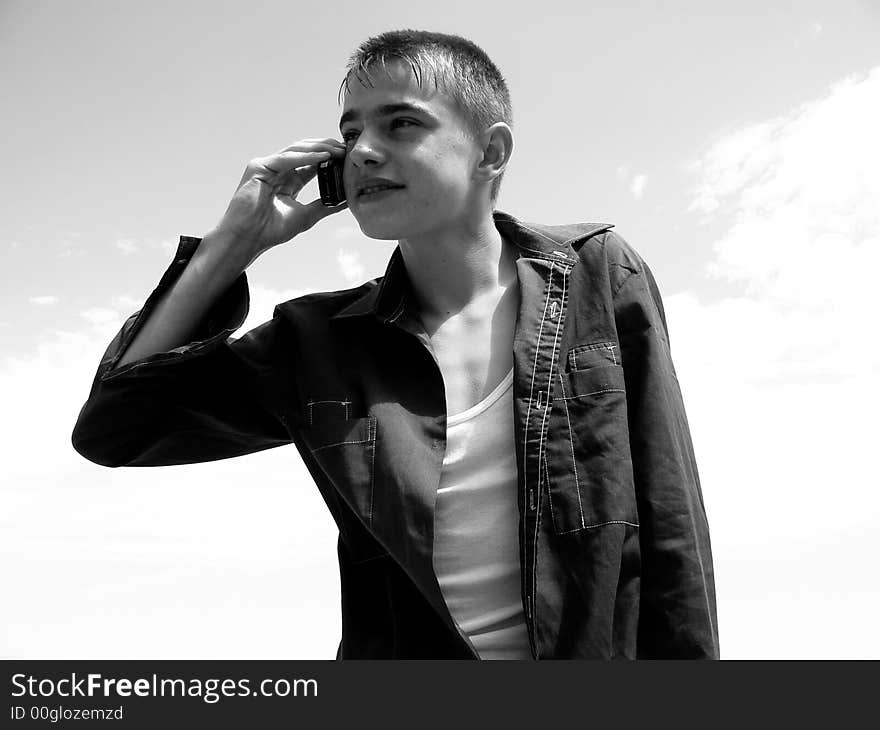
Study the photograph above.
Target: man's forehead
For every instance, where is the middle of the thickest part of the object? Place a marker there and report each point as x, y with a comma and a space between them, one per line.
389, 85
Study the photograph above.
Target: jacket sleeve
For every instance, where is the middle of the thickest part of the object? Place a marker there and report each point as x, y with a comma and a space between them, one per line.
677, 616
211, 399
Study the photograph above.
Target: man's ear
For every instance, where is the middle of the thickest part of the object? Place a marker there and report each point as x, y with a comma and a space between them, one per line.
497, 145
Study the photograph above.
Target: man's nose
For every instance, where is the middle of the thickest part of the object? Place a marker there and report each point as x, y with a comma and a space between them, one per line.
366, 151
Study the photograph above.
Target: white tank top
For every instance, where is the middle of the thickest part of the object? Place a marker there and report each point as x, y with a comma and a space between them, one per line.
476, 543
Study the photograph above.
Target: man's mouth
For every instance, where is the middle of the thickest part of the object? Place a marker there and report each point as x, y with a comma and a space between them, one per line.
376, 188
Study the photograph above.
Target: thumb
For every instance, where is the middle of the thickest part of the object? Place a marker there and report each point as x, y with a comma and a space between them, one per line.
316, 210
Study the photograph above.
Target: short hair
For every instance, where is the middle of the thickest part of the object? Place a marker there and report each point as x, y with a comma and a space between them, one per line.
459, 67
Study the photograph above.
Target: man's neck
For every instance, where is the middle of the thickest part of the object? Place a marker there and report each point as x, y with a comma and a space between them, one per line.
469, 266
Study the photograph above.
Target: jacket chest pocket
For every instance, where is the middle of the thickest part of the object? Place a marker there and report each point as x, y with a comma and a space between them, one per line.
345, 450
588, 467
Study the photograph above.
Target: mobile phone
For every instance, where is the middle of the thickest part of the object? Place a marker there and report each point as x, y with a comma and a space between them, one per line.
330, 182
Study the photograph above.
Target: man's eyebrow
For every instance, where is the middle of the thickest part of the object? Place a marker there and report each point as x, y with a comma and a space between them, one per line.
353, 115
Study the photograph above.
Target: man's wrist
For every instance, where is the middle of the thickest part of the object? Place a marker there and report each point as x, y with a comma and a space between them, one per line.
223, 255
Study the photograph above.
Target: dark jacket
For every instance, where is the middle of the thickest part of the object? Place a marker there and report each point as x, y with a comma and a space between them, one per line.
614, 543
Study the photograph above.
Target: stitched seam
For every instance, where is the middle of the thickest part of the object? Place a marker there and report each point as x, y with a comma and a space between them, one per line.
535, 570
311, 403
575, 351
600, 524
538, 233
595, 233
563, 264
595, 392
532, 387
568, 263
574, 465
593, 346
550, 498
531, 250
540, 254
372, 435
341, 443
553, 359
528, 416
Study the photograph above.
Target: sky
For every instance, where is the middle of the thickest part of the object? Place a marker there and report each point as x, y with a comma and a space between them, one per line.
733, 145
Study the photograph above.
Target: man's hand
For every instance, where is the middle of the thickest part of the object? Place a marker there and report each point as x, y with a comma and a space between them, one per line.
264, 211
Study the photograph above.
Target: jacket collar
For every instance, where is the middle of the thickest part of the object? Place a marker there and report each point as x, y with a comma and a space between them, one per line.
386, 295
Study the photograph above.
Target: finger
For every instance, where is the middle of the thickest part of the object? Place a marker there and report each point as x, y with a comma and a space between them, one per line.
280, 164
337, 149
305, 145
295, 180
304, 174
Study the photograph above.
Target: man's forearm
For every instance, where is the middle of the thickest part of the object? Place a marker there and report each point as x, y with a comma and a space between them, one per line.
212, 269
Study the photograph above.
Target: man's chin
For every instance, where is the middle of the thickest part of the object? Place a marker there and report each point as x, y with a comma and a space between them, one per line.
380, 230
380, 236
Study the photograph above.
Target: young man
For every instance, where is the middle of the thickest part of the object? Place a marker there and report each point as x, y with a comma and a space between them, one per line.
495, 424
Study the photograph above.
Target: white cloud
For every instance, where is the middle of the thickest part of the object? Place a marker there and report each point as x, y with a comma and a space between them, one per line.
40, 392
105, 322
143, 547
168, 245
151, 539
99, 315
782, 382
635, 181
350, 264
637, 185
802, 194
126, 303
43, 301
127, 245
69, 245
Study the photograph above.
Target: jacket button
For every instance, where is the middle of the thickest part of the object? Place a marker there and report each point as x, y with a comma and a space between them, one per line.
435, 443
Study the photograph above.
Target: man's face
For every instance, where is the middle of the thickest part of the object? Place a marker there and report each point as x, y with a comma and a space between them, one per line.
410, 157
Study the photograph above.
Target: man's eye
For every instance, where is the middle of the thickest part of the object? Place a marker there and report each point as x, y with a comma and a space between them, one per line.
349, 136
395, 123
